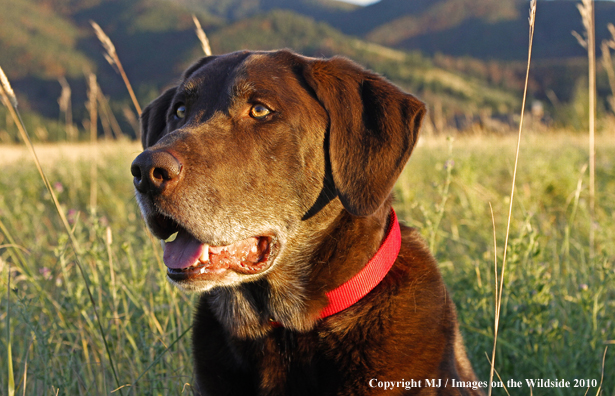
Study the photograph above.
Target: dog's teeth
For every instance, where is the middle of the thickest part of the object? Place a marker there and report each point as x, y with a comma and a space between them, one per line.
202, 271
171, 238
205, 255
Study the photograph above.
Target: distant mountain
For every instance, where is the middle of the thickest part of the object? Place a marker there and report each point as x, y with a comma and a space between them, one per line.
412, 71
232, 10
485, 29
466, 54
408, 17
35, 41
155, 40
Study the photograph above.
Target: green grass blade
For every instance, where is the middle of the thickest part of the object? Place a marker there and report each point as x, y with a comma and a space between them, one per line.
11, 381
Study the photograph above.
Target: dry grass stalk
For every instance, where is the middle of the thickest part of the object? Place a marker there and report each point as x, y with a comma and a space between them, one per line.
588, 41
607, 63
110, 122
9, 352
67, 109
132, 119
25, 374
114, 60
202, 36
602, 373
92, 106
8, 98
496, 372
108, 243
438, 115
499, 287
10, 101
8, 90
105, 122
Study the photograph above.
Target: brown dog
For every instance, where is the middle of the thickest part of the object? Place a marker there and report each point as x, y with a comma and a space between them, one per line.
274, 172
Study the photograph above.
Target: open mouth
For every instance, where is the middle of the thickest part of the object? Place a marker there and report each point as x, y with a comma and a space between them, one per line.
189, 259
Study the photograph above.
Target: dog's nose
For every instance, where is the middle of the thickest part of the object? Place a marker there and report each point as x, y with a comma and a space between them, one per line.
155, 171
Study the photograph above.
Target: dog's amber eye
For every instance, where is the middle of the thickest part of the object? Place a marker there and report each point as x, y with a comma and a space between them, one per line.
180, 112
259, 111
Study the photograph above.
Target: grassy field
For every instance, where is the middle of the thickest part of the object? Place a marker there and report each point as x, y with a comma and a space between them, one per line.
558, 311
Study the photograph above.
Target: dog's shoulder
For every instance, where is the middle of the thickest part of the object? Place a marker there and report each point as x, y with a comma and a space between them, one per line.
415, 267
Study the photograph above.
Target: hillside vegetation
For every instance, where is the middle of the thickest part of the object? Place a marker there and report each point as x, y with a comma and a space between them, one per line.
37, 42
486, 29
465, 58
44, 40
411, 70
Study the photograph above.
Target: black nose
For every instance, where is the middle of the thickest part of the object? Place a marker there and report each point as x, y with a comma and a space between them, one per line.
155, 172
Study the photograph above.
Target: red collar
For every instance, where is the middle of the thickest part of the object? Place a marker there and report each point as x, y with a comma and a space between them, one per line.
368, 278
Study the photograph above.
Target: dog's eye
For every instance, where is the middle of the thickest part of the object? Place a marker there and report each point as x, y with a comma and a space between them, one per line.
259, 112
180, 112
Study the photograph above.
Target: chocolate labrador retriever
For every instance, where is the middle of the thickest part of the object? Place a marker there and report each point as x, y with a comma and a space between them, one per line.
269, 175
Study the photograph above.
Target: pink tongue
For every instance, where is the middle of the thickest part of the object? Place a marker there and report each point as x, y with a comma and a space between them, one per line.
183, 251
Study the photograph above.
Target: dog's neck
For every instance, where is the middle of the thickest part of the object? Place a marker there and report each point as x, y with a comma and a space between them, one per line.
292, 297
350, 292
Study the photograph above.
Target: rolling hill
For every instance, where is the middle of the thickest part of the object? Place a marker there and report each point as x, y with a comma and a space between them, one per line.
485, 29
466, 54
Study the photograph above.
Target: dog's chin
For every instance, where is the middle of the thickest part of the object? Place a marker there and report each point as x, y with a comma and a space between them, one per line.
203, 286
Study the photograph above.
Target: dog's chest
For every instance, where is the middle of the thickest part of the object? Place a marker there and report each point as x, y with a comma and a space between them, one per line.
290, 363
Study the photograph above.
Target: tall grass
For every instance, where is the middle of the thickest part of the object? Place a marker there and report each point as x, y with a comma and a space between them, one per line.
558, 309
202, 36
141, 315
93, 111
113, 59
10, 100
499, 286
588, 41
607, 63
66, 109
9, 352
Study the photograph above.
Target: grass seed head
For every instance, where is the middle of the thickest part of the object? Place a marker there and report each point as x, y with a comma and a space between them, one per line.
202, 36
611, 41
6, 85
586, 10
532, 18
111, 55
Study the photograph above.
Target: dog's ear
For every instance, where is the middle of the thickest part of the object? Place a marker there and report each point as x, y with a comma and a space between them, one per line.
373, 127
197, 65
154, 118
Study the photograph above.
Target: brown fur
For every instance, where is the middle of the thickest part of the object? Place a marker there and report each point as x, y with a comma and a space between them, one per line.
317, 175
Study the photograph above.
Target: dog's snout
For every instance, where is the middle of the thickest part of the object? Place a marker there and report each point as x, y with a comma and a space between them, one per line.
155, 171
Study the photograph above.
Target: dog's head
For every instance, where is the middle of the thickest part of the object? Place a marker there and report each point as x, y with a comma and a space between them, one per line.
254, 153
